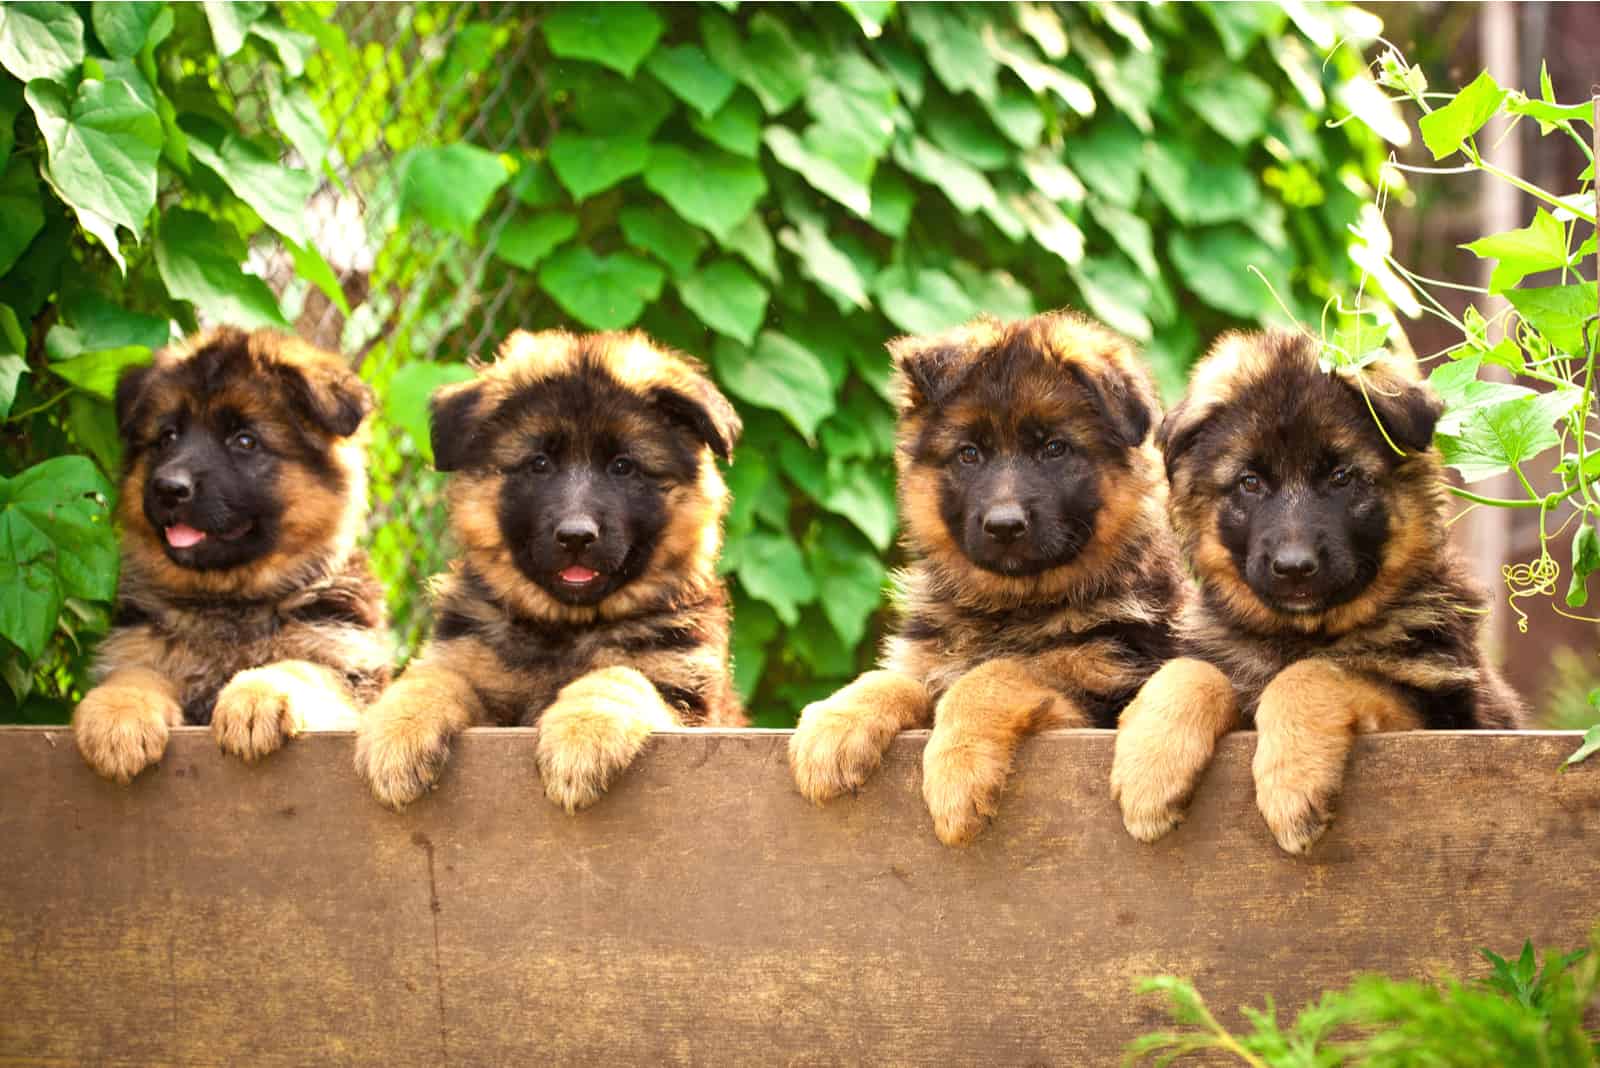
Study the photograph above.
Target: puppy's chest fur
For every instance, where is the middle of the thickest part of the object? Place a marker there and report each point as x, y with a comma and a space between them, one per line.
336, 621
1097, 653
1425, 647
518, 665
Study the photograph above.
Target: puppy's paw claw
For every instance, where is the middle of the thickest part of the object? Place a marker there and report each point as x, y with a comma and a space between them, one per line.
253, 716
121, 730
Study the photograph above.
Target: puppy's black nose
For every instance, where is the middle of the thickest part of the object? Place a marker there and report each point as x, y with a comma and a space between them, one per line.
174, 488
1005, 523
577, 533
1294, 561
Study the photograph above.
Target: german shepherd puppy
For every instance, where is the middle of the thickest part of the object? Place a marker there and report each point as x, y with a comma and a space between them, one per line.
1043, 575
243, 601
588, 507
1330, 603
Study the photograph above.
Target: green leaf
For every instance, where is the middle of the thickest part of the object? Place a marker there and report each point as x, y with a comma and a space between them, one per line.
753, 241
1109, 158
771, 569
692, 77
20, 207
1231, 101
780, 374
966, 186
1199, 191
832, 164
616, 35
230, 23
310, 265
1585, 561
1239, 25
757, 626
736, 127
955, 49
1495, 437
278, 194
56, 540
892, 200
1117, 293
1132, 81
12, 368
709, 188
97, 372
123, 28
589, 164
1539, 246
40, 40
854, 100
965, 134
1049, 226
843, 278
1590, 746
524, 242
1444, 129
996, 292
535, 186
769, 61
1052, 178
1457, 384
296, 116
1557, 312
1040, 78
103, 145
727, 298
851, 573
922, 301
659, 232
871, 15
1018, 116
192, 256
1130, 231
1215, 266
604, 103
449, 187
294, 49
604, 292
93, 322
864, 494
405, 405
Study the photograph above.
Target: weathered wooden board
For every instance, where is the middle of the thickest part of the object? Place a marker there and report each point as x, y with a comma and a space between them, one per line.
215, 913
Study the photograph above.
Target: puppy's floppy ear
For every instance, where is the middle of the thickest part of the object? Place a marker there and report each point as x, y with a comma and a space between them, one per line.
703, 409
452, 419
1128, 406
330, 394
927, 370
1407, 409
132, 388
1180, 429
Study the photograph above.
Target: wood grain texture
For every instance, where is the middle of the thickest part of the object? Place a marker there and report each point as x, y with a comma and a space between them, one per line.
703, 912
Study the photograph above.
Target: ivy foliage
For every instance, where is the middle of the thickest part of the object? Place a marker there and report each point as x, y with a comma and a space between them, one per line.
134, 181
780, 190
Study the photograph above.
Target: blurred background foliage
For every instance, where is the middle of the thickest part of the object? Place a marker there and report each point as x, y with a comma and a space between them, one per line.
774, 189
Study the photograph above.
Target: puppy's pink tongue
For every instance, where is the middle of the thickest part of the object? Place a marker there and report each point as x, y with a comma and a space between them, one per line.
578, 575
182, 537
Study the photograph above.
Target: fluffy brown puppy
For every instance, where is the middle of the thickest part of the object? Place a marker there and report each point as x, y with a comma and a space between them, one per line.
588, 507
1044, 575
243, 601
1328, 593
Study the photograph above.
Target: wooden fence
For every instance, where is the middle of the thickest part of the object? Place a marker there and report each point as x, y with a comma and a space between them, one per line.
215, 913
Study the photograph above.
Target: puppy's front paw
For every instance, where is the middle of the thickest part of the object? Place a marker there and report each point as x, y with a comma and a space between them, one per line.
961, 782
1296, 814
400, 750
583, 744
254, 715
836, 746
1151, 782
121, 730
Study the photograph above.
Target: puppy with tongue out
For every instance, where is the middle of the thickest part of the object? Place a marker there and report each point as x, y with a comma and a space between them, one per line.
587, 503
243, 603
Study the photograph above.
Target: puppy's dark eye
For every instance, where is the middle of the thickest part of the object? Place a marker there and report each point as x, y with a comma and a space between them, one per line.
1341, 476
167, 436
1250, 483
539, 464
1054, 448
969, 454
244, 441
622, 467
